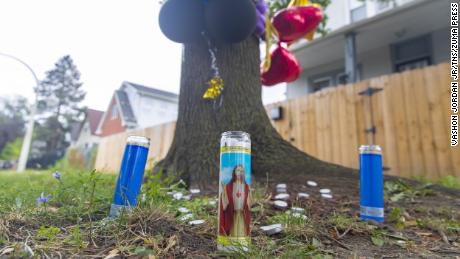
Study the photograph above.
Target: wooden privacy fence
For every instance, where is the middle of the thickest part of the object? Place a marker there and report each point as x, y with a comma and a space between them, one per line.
411, 115
110, 150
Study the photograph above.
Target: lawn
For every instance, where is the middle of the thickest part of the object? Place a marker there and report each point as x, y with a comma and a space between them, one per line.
73, 222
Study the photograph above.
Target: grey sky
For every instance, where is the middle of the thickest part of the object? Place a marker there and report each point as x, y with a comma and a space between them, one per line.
109, 40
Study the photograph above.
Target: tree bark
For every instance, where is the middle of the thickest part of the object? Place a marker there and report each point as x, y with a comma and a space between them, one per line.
194, 153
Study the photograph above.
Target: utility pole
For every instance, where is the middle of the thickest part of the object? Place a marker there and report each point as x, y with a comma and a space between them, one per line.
30, 124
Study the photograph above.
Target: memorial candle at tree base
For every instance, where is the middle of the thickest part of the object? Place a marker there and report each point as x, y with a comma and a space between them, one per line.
234, 192
371, 183
131, 174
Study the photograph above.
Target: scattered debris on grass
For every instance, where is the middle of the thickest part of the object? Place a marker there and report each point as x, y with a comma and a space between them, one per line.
74, 223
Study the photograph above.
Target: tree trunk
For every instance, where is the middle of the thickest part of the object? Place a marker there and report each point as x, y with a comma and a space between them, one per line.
194, 153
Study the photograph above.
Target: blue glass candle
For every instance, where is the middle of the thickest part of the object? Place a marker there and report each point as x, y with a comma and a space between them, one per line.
371, 183
131, 174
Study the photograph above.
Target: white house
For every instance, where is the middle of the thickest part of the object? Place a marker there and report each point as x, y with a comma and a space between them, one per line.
135, 106
86, 137
371, 38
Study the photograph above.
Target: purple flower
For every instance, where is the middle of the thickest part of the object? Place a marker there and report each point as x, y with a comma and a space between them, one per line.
57, 175
42, 199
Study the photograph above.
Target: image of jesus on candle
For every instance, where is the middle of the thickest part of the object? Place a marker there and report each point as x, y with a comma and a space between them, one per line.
234, 209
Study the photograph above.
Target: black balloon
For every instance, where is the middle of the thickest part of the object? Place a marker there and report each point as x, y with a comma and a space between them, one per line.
182, 20
230, 21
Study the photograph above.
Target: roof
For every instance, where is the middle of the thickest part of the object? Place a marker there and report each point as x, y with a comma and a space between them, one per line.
153, 91
93, 117
125, 106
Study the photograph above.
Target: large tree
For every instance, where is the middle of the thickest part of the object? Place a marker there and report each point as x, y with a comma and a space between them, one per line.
194, 153
60, 93
59, 102
12, 114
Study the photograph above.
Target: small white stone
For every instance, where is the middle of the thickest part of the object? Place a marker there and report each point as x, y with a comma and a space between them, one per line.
326, 195
195, 191
143, 197
177, 195
297, 210
282, 196
196, 222
325, 191
281, 190
183, 210
302, 195
312, 183
281, 204
299, 215
187, 197
212, 202
272, 229
186, 217
281, 185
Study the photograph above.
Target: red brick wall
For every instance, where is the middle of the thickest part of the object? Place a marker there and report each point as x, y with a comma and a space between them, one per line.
111, 126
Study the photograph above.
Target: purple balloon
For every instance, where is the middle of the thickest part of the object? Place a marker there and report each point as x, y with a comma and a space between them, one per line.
260, 26
261, 6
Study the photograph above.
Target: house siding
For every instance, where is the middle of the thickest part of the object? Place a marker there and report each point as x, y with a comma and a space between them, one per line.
372, 63
86, 140
151, 110
111, 126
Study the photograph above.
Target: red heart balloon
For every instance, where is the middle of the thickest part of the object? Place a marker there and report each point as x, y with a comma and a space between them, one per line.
295, 22
284, 68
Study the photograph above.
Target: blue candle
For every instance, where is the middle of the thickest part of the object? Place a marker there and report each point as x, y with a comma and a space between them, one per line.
371, 184
131, 174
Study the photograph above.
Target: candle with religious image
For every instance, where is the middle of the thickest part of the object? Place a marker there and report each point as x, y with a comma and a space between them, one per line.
234, 192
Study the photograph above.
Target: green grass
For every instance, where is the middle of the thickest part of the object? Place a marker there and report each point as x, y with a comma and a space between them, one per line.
69, 198
74, 221
450, 182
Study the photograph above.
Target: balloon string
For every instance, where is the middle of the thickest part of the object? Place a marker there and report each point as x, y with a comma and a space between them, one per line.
212, 52
298, 3
268, 36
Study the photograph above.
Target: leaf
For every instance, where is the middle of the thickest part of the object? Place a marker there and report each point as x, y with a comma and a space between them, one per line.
378, 241
113, 253
140, 250
76, 234
397, 197
399, 237
315, 242
28, 250
7, 251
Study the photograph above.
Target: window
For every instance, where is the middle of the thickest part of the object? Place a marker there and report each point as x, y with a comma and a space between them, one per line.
322, 83
382, 6
413, 64
342, 78
358, 13
411, 54
114, 112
